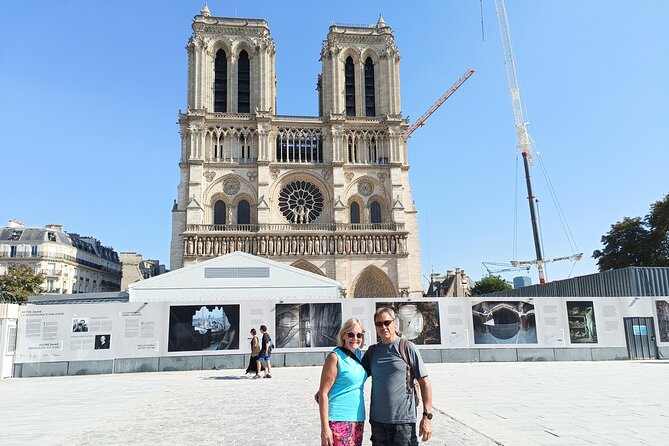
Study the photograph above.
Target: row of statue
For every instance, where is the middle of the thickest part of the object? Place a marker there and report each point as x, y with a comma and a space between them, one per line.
294, 245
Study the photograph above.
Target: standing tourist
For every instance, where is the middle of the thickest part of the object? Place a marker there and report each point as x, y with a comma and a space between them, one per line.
265, 352
255, 351
393, 406
341, 399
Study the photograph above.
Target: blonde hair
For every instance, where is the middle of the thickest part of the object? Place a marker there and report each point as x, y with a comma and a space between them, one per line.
346, 327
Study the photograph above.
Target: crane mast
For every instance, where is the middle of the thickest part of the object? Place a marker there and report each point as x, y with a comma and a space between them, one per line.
522, 136
512, 79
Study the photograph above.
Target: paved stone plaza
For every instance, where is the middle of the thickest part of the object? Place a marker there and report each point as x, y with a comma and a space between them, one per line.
548, 403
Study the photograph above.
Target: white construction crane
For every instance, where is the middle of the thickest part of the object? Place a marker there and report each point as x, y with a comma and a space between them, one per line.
523, 263
436, 105
496, 267
524, 141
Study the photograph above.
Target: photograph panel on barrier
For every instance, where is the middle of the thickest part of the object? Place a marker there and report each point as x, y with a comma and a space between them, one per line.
102, 342
417, 321
307, 325
581, 317
79, 325
203, 327
504, 322
662, 307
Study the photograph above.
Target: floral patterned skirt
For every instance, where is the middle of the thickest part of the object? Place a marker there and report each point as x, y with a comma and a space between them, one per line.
347, 433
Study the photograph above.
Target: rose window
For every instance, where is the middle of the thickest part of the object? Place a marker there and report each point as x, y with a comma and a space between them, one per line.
300, 202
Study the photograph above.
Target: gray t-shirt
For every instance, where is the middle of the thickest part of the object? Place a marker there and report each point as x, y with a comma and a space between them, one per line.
390, 402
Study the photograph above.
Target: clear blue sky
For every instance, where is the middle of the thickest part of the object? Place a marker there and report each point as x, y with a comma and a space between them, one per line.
90, 93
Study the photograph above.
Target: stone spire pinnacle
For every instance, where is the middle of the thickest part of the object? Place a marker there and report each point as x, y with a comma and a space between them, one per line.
381, 23
205, 11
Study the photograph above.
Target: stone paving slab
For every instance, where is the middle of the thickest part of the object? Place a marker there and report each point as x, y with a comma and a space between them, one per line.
198, 407
486, 404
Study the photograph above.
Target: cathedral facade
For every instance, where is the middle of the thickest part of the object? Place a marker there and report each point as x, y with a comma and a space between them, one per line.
330, 193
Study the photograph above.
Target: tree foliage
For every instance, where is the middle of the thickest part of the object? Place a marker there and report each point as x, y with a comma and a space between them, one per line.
637, 241
490, 284
21, 281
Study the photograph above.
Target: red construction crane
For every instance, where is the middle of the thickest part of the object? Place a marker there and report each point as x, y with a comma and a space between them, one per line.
436, 105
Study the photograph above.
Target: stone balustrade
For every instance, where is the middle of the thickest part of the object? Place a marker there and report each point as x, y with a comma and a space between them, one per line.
205, 245
291, 227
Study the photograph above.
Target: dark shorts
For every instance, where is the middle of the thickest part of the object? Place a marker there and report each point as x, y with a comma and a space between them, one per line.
384, 434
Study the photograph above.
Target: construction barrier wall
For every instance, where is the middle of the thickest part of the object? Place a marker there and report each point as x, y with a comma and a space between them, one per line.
160, 336
9, 314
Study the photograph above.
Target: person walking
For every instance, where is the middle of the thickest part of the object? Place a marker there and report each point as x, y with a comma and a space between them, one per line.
255, 351
265, 352
341, 399
393, 404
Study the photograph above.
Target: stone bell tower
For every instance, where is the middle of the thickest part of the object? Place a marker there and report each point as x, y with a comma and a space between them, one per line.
330, 193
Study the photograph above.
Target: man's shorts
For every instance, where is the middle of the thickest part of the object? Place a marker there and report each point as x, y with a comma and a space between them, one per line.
262, 357
383, 433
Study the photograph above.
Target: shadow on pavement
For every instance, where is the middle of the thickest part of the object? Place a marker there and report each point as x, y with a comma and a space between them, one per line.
228, 378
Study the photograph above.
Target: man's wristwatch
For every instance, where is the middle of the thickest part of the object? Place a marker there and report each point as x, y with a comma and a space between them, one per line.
427, 415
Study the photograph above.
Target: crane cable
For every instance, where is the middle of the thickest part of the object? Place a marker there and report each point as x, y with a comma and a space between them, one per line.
551, 190
482, 31
515, 213
558, 206
541, 231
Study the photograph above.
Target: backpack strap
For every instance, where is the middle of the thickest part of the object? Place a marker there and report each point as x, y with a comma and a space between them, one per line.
350, 354
404, 351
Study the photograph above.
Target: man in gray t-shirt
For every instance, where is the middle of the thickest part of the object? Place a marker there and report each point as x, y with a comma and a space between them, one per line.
393, 409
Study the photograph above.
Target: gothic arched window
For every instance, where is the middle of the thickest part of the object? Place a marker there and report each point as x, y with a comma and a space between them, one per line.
221, 82
355, 213
371, 151
243, 83
243, 213
349, 82
375, 212
370, 99
220, 213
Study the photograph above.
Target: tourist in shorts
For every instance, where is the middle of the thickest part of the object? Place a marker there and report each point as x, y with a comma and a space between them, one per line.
265, 353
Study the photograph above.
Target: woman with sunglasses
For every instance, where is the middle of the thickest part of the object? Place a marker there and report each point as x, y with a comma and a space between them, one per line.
341, 399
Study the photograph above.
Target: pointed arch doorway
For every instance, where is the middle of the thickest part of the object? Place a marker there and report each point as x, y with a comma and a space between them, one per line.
373, 282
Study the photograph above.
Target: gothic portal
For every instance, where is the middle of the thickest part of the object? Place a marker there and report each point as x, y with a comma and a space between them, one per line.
329, 193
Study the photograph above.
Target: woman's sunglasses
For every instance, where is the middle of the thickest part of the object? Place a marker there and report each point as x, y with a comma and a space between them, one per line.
355, 335
383, 323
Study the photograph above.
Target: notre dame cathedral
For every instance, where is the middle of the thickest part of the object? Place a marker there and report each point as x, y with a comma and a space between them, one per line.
329, 194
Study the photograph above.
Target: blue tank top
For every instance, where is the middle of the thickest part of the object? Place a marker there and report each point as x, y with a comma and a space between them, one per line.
346, 397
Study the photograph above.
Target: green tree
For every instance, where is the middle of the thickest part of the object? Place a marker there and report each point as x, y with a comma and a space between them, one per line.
21, 281
626, 244
637, 241
658, 220
490, 284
